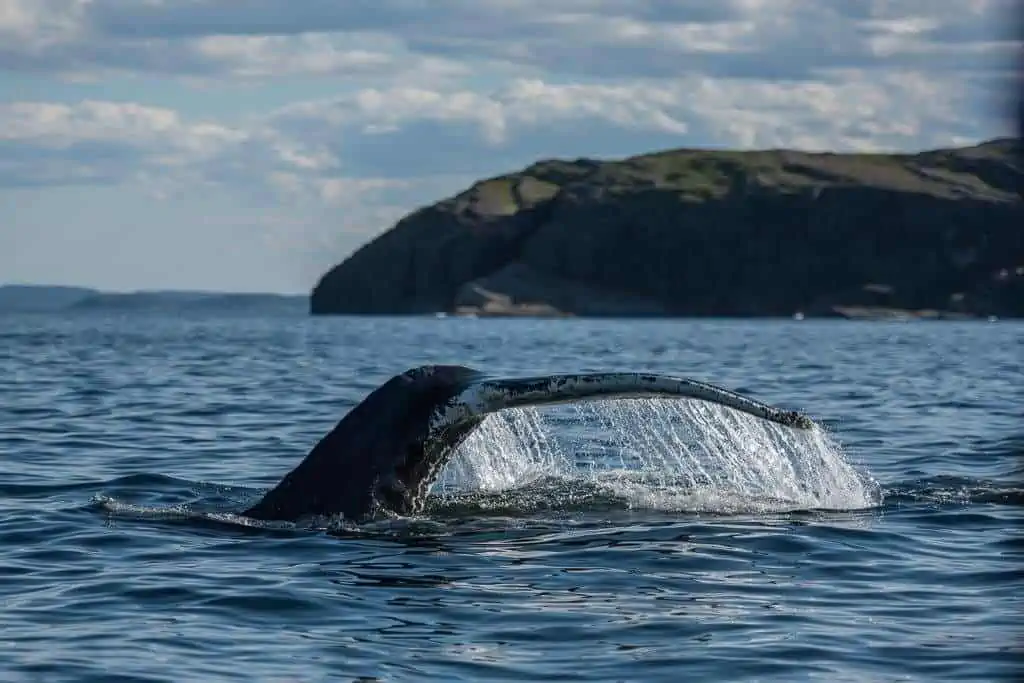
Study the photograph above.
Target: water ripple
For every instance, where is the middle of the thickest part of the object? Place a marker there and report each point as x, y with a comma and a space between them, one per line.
511, 580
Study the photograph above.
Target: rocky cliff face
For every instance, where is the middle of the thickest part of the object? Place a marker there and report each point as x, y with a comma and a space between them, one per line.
708, 233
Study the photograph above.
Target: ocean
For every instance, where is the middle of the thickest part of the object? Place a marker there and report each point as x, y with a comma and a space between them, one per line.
614, 541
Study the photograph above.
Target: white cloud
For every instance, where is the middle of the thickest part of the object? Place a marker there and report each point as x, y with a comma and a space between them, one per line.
51, 143
262, 56
420, 98
602, 38
38, 24
496, 68
408, 131
129, 123
372, 138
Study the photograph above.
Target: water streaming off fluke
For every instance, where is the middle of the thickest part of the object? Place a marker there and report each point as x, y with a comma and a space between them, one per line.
661, 454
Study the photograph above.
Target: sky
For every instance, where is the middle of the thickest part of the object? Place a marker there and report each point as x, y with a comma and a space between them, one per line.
249, 145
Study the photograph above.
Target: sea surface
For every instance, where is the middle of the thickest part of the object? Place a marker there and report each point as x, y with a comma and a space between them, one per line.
615, 541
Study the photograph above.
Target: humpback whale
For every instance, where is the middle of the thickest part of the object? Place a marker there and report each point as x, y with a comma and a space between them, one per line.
386, 452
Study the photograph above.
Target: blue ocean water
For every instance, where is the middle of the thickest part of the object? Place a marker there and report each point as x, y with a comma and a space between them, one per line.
633, 541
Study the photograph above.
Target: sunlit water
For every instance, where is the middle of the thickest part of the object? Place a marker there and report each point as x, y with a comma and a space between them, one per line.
632, 540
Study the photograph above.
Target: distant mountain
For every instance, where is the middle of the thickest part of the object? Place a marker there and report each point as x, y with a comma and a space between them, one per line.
41, 297
26, 298
177, 300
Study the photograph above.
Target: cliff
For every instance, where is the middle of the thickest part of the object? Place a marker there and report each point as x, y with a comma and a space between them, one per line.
708, 233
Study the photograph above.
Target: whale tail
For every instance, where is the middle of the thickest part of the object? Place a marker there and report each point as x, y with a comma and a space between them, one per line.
490, 394
388, 450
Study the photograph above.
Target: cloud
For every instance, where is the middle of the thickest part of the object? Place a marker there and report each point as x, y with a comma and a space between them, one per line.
266, 127
457, 89
89, 40
779, 39
468, 87
379, 145
411, 132
100, 142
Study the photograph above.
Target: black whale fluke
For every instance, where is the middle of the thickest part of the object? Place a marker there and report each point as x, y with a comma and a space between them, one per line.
388, 450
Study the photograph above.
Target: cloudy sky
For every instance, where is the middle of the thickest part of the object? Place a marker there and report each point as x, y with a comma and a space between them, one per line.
249, 144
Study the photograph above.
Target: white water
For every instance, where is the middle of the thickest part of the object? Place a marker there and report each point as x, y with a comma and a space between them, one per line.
666, 455
658, 454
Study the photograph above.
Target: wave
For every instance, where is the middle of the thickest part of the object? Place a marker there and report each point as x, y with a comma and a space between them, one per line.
664, 459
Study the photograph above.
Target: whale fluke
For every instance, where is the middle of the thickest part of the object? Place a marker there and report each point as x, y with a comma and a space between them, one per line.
388, 450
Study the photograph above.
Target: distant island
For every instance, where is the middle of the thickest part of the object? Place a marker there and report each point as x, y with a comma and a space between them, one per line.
49, 298
691, 232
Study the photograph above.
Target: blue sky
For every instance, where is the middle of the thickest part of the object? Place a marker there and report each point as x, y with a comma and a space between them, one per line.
250, 144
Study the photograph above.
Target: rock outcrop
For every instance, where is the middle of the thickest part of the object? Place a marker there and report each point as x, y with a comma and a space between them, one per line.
709, 233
